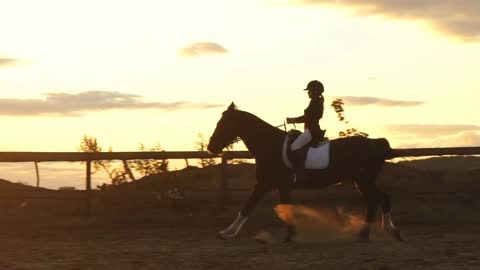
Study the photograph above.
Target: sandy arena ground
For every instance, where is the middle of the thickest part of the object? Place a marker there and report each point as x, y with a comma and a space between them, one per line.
427, 248
442, 231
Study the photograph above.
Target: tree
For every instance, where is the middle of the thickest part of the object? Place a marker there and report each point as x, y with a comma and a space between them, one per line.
120, 175
150, 166
337, 106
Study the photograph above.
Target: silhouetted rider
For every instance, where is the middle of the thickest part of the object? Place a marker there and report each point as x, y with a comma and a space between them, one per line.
312, 134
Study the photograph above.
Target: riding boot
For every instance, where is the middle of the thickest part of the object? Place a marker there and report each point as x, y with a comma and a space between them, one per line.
298, 164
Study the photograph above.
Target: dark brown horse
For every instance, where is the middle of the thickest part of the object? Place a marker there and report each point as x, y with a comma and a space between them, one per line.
354, 159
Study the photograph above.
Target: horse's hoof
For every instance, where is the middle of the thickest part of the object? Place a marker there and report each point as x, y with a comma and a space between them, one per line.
289, 237
222, 236
364, 235
397, 235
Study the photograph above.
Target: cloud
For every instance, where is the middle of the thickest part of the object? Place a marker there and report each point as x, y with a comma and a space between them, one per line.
466, 138
461, 139
458, 18
418, 136
364, 101
66, 104
202, 48
7, 62
432, 131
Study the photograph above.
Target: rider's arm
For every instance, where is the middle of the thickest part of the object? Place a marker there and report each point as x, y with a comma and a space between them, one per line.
300, 119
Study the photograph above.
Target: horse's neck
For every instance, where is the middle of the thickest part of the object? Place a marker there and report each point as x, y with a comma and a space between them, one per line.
260, 137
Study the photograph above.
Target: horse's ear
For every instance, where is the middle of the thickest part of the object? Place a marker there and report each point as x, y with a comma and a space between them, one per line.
232, 106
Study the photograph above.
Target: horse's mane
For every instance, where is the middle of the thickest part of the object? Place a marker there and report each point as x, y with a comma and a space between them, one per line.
252, 117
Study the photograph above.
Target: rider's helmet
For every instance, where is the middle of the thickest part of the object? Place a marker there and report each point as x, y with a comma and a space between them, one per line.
315, 85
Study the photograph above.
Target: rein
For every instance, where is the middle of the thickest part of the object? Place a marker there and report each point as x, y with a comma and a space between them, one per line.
284, 125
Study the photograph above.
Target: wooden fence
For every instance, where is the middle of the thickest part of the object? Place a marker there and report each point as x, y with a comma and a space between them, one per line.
225, 156
88, 158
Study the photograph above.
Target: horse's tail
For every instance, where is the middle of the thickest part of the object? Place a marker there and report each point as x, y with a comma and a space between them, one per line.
383, 149
392, 154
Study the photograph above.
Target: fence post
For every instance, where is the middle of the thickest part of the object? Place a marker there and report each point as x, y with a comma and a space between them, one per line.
37, 173
88, 188
223, 196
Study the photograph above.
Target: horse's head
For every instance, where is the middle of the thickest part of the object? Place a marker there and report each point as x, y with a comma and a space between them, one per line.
226, 131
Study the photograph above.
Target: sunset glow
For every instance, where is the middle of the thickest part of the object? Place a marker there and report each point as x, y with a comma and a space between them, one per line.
131, 72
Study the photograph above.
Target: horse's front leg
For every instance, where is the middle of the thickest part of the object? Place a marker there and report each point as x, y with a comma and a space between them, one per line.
286, 198
234, 228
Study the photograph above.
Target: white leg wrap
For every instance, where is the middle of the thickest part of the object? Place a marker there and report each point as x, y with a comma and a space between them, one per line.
387, 222
234, 228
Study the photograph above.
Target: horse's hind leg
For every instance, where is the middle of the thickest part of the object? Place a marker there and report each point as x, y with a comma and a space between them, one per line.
374, 197
387, 223
286, 198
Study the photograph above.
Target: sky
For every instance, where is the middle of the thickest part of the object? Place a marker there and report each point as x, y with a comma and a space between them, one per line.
161, 72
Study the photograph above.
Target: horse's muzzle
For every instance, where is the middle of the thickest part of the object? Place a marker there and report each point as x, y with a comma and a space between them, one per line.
213, 150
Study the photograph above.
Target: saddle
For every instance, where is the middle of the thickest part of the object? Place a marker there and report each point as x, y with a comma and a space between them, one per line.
315, 154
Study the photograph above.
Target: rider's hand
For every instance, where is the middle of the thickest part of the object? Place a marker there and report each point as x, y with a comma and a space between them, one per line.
290, 120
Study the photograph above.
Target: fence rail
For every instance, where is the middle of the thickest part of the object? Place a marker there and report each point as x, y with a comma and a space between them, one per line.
225, 156
88, 158
82, 156
440, 151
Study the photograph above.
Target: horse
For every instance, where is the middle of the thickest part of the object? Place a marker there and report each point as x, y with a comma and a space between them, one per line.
353, 159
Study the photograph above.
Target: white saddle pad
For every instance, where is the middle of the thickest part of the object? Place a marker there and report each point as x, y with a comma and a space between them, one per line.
317, 158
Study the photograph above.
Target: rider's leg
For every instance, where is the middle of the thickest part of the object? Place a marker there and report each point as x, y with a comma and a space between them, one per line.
302, 140
298, 158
